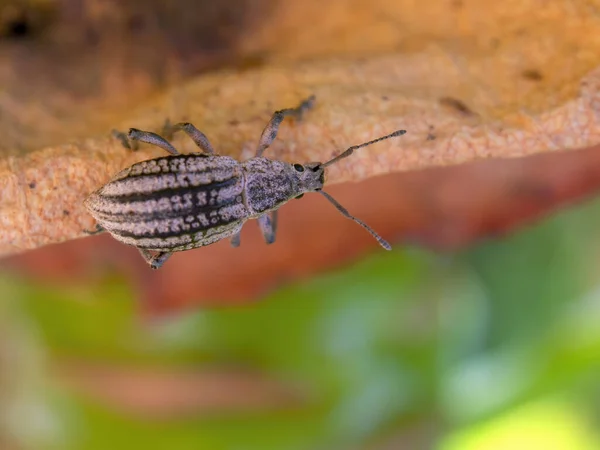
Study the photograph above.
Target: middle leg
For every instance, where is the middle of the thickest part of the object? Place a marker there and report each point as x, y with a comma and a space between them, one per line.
194, 133
268, 226
151, 138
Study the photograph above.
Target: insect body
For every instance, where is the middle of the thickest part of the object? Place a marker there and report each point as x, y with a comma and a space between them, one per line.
180, 202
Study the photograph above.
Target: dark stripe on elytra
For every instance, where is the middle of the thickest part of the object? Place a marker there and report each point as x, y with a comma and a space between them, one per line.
169, 192
159, 238
143, 217
194, 209
196, 239
168, 234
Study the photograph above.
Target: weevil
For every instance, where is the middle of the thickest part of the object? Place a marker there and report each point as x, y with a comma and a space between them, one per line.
183, 201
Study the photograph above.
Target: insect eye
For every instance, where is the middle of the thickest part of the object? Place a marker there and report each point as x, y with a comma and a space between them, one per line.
298, 197
299, 167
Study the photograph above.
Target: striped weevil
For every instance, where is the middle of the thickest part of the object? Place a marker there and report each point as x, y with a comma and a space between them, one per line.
184, 201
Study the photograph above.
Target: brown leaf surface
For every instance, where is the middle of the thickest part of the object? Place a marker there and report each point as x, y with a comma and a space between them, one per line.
468, 80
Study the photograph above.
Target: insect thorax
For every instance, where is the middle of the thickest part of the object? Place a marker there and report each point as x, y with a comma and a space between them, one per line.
269, 184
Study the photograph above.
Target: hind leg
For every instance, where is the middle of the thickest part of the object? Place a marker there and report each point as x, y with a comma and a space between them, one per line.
155, 260
97, 230
236, 239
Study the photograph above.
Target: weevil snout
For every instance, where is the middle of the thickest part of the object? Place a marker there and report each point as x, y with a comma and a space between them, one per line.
313, 179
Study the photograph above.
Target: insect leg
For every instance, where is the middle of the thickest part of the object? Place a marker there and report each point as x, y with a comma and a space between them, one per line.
129, 145
155, 261
197, 136
159, 259
270, 132
97, 230
274, 221
151, 138
268, 226
236, 239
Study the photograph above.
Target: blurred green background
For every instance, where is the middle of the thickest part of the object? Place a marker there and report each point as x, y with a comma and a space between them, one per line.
494, 347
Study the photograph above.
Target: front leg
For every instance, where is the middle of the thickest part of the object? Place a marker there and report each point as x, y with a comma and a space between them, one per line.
270, 132
268, 226
156, 260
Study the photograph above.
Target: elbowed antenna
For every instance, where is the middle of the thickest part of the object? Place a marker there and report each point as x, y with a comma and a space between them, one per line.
350, 150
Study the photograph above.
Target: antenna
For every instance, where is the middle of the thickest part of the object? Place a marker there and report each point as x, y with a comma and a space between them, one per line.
350, 150
345, 213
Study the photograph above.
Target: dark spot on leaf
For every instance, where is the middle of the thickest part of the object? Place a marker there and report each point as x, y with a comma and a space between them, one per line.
430, 135
18, 29
136, 23
251, 62
122, 137
532, 74
20, 20
457, 105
